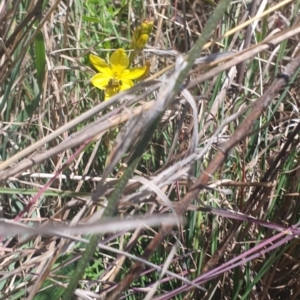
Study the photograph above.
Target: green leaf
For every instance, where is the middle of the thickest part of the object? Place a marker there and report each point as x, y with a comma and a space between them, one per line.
91, 19
40, 58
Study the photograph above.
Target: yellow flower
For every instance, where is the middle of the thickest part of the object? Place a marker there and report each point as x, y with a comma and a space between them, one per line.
115, 76
141, 34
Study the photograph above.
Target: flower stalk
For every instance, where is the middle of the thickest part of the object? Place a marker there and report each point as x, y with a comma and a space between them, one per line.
140, 38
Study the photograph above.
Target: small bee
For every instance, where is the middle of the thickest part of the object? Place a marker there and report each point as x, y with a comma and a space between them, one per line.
114, 83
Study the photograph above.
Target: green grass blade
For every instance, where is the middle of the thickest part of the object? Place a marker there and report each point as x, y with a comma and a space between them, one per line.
40, 58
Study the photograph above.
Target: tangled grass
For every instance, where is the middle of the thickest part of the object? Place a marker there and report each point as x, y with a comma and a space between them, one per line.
184, 187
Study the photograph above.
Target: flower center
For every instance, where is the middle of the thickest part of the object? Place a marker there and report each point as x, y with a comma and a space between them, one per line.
114, 83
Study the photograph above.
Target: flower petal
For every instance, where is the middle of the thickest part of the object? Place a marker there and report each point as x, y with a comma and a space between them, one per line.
126, 84
110, 92
133, 73
99, 64
119, 62
100, 81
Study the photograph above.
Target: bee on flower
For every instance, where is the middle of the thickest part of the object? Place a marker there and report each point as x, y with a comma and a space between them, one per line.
115, 76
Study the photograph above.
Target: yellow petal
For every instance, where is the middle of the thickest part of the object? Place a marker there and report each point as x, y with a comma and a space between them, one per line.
126, 84
133, 73
110, 92
119, 62
100, 81
99, 64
